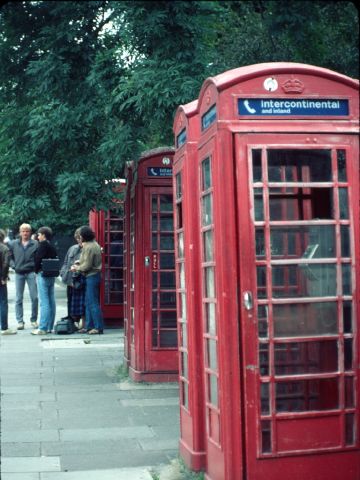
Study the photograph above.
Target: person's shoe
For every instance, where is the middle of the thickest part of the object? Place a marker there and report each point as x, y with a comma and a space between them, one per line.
83, 330
34, 324
21, 326
38, 332
95, 331
8, 332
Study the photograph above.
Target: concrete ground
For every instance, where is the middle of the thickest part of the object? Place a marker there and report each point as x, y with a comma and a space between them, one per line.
68, 412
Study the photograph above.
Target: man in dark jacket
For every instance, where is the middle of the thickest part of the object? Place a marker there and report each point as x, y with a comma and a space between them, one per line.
4, 271
23, 261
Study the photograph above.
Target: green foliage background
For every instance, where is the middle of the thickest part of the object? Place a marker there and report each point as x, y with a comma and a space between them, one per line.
86, 86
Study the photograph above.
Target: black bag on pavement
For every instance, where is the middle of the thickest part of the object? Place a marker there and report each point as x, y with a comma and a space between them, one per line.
64, 327
50, 267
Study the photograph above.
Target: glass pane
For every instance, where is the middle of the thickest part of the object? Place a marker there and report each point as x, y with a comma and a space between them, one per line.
167, 260
347, 317
315, 280
261, 282
262, 321
350, 429
260, 242
345, 240
209, 282
210, 318
266, 436
301, 204
303, 241
166, 223
182, 275
183, 306
166, 203
166, 242
184, 335
211, 354
206, 202
167, 279
167, 299
168, 319
265, 399
306, 357
179, 216
346, 278
184, 365
264, 359
206, 174
348, 354
349, 392
258, 204
208, 245
213, 389
154, 280
168, 338
154, 203
305, 319
343, 203
341, 162
307, 395
178, 186
181, 245
299, 165
256, 164
154, 299
154, 223
185, 394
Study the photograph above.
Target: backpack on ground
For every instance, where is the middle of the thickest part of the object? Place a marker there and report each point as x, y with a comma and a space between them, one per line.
64, 327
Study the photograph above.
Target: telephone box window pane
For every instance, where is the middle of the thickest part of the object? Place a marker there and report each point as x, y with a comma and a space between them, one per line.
154, 299
258, 204
183, 306
185, 394
184, 335
346, 279
303, 241
256, 164
265, 399
307, 395
154, 320
154, 204
210, 318
166, 223
181, 245
263, 321
168, 338
179, 215
301, 204
299, 165
182, 275
206, 210
264, 359
206, 174
348, 354
350, 429
304, 280
209, 282
211, 354
341, 162
166, 242
347, 317
213, 389
260, 243
345, 240
305, 319
167, 260
154, 280
167, 279
154, 223
184, 365
166, 203
261, 282
266, 436
306, 357
349, 392
208, 245
168, 319
167, 299
178, 186
343, 203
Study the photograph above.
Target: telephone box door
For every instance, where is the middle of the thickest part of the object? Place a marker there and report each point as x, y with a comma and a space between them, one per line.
160, 289
299, 288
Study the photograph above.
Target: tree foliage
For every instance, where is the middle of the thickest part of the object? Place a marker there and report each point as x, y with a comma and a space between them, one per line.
86, 86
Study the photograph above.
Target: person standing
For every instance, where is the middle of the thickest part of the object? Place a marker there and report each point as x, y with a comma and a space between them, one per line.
66, 275
90, 266
4, 271
46, 285
23, 261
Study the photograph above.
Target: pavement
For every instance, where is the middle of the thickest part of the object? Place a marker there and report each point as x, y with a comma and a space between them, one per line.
69, 411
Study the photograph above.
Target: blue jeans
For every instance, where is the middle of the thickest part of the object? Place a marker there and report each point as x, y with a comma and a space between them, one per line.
20, 280
4, 307
93, 314
47, 302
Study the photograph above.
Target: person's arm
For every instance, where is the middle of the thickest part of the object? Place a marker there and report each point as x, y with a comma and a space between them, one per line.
5, 265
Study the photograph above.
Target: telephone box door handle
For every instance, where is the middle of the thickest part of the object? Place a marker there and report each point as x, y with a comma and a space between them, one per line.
248, 300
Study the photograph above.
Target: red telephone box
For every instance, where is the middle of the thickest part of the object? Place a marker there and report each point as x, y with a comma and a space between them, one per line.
278, 165
128, 175
151, 295
188, 285
108, 228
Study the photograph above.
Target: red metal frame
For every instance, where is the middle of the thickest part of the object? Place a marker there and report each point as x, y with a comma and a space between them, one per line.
188, 285
243, 439
151, 317
127, 279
